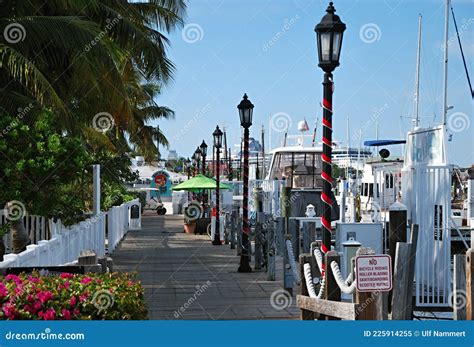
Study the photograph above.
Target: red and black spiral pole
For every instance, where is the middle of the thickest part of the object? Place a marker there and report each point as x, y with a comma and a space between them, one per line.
326, 173
329, 33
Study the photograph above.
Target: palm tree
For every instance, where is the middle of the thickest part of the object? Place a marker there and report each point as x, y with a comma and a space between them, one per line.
71, 52
82, 57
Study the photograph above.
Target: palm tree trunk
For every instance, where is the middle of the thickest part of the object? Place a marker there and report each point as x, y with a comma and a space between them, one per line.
2, 249
19, 236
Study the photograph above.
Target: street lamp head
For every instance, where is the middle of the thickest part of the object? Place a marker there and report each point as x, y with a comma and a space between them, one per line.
217, 134
245, 112
329, 34
203, 148
197, 154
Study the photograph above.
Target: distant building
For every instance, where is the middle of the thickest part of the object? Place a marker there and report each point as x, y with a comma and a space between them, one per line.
172, 155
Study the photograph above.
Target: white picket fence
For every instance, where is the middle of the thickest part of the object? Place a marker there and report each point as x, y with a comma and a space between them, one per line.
66, 243
36, 227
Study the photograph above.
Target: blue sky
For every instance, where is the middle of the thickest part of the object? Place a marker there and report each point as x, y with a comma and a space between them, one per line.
266, 48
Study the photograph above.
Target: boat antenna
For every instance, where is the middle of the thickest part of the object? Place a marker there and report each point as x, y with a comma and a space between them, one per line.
416, 120
263, 152
225, 147
347, 151
445, 70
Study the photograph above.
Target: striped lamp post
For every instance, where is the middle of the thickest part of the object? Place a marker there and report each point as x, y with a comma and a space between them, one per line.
245, 112
217, 134
329, 34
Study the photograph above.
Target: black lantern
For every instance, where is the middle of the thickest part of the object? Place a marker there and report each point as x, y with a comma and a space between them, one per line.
197, 154
217, 134
203, 148
245, 111
329, 33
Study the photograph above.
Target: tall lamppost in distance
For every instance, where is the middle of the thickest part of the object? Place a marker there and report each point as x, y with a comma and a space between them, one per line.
204, 154
217, 134
245, 112
329, 34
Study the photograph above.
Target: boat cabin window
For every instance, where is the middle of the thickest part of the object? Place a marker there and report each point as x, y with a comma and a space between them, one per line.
388, 181
301, 170
367, 189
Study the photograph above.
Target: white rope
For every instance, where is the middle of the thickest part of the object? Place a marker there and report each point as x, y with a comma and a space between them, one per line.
309, 283
309, 280
319, 258
343, 284
291, 257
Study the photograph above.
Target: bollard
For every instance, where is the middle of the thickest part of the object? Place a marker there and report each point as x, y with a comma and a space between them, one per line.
280, 234
271, 248
331, 289
288, 278
258, 203
233, 223
397, 232
309, 235
294, 231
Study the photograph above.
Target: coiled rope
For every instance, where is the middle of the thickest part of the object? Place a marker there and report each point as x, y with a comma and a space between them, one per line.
319, 259
347, 286
344, 285
309, 283
291, 257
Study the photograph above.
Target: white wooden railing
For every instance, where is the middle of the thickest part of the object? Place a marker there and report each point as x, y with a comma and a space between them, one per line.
118, 223
66, 243
37, 227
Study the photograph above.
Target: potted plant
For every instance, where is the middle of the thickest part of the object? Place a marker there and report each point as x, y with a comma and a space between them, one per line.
191, 214
189, 225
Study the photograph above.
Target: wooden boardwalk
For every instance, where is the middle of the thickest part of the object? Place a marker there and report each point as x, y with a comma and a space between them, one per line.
186, 277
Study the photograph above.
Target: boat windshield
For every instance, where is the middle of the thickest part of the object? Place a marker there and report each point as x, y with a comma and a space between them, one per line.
301, 170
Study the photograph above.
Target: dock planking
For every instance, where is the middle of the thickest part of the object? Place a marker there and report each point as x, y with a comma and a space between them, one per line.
185, 277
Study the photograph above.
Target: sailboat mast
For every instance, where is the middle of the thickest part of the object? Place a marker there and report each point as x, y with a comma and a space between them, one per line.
445, 71
348, 164
417, 83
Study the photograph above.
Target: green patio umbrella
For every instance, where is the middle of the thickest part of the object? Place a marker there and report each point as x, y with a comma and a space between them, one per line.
198, 183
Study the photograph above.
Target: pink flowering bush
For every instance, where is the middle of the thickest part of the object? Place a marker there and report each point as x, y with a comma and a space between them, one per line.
67, 296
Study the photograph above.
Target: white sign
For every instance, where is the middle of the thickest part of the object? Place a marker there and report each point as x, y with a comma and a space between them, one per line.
374, 273
426, 147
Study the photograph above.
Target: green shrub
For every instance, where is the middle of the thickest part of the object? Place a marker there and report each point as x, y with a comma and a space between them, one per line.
71, 297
